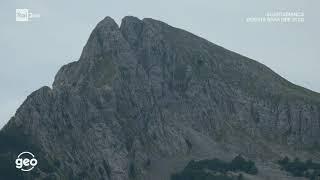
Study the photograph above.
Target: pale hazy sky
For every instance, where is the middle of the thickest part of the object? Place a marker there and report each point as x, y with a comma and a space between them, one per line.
32, 52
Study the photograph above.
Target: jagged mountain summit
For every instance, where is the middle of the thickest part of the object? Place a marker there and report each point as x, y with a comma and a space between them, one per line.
145, 98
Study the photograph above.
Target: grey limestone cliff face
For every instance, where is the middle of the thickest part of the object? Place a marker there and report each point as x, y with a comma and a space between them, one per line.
146, 92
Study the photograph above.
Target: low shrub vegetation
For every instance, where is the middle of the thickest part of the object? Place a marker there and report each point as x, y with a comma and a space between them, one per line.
216, 169
298, 168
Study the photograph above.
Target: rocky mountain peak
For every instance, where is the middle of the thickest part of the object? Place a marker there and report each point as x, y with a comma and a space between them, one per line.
144, 98
105, 38
131, 28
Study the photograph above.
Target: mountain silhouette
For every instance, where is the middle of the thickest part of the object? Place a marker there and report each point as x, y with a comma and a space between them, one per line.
145, 98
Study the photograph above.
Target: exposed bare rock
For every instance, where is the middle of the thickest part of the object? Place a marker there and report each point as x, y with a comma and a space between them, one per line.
145, 98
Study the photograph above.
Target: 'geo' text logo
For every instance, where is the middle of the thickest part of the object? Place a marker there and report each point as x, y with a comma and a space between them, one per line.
26, 161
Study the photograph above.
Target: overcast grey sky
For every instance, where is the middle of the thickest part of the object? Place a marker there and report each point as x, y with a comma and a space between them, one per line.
32, 52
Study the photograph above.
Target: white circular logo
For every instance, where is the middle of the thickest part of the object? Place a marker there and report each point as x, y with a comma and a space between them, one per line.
26, 161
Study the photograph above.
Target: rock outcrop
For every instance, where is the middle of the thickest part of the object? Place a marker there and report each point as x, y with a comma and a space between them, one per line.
145, 97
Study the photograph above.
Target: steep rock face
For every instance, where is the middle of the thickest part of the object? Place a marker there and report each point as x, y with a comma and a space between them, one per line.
146, 91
